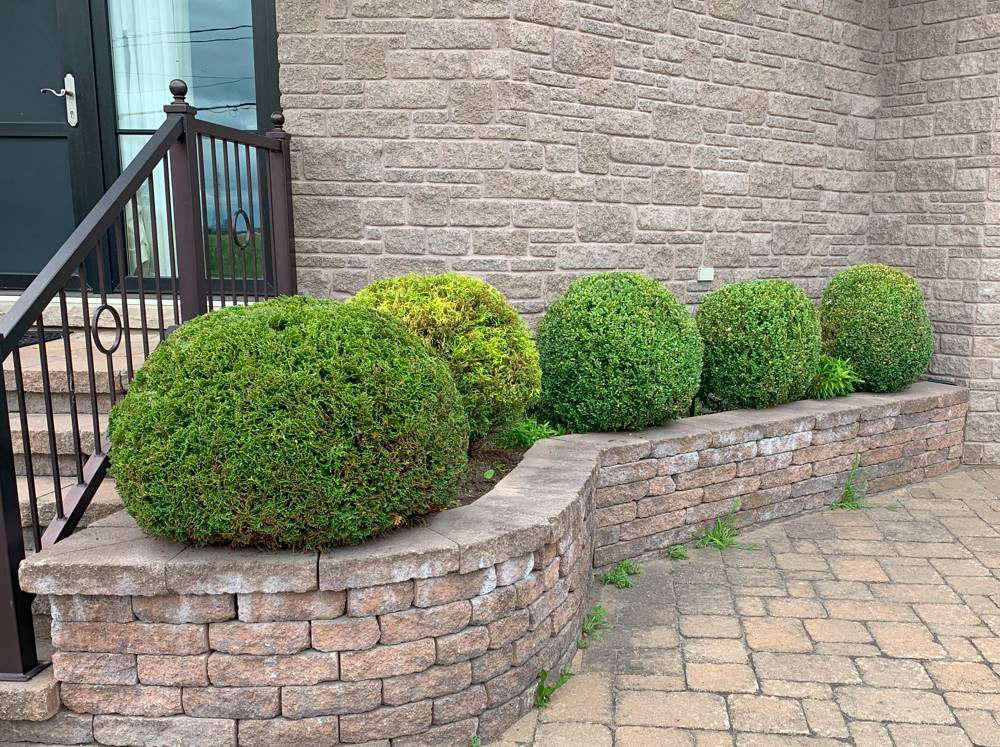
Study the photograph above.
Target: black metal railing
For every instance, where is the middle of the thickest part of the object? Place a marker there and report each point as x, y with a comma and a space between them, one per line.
200, 219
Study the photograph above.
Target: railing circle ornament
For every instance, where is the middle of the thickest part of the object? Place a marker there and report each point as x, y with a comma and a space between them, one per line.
97, 331
241, 213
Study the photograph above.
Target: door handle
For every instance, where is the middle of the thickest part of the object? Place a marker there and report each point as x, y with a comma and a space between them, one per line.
68, 92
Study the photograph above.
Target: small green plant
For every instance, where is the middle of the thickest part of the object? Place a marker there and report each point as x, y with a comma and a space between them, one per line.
678, 552
594, 624
852, 497
544, 691
619, 575
723, 534
836, 378
488, 474
475, 742
524, 433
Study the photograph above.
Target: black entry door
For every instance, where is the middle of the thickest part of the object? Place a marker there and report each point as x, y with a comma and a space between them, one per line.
50, 169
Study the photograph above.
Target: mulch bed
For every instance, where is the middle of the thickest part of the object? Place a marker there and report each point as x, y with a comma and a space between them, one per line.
482, 459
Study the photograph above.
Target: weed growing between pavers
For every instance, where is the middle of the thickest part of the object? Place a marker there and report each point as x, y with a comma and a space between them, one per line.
852, 499
594, 624
723, 534
619, 575
475, 742
544, 691
678, 552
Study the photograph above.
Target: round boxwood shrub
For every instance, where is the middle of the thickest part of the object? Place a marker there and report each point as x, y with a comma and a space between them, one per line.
762, 344
618, 352
468, 323
292, 423
874, 317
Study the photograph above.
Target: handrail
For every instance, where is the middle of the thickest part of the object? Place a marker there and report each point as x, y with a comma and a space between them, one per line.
244, 138
60, 268
151, 237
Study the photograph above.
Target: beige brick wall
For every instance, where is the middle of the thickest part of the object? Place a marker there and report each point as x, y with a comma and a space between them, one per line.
532, 141
934, 209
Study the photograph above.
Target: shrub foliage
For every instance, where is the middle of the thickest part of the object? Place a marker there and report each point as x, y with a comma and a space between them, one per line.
874, 317
762, 344
291, 423
618, 352
480, 336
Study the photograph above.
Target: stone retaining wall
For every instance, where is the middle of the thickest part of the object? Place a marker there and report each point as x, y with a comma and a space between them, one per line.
439, 632
777, 462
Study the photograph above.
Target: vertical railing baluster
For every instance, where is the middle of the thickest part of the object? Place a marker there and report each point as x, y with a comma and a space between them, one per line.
239, 207
252, 242
156, 257
89, 349
119, 240
102, 288
204, 220
29, 467
71, 388
43, 360
218, 225
229, 216
168, 198
140, 279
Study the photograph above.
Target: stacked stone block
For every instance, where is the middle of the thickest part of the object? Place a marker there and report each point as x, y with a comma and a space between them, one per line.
439, 632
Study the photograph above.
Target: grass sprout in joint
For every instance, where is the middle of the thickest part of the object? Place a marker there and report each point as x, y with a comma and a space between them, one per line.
594, 624
852, 497
545, 690
723, 534
619, 575
678, 552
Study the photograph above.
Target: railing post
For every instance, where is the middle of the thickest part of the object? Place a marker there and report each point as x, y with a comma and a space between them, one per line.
282, 229
185, 180
18, 656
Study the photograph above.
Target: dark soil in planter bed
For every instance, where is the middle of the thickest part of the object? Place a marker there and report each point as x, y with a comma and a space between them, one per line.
484, 458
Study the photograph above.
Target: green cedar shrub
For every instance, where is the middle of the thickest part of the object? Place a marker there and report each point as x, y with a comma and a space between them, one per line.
874, 317
465, 320
293, 423
762, 344
618, 352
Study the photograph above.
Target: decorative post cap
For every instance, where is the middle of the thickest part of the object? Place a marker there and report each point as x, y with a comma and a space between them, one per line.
179, 90
278, 120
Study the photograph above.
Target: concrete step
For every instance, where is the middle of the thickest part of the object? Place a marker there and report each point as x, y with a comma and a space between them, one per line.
105, 502
58, 366
65, 443
34, 700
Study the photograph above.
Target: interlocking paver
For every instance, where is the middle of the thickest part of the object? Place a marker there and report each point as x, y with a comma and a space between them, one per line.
874, 628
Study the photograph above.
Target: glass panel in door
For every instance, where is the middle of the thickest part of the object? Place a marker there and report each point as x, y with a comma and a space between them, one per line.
210, 45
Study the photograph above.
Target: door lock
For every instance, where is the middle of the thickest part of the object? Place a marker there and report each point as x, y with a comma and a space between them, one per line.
68, 92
